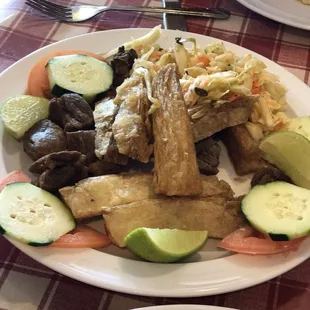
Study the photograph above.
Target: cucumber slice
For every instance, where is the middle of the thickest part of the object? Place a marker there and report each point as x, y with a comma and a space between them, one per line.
79, 74
300, 125
32, 215
20, 113
290, 152
279, 209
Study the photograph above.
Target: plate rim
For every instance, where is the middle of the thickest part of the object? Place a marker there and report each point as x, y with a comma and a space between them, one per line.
185, 306
196, 292
276, 18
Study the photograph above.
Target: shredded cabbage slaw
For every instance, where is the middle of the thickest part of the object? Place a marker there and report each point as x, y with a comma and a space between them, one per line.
214, 75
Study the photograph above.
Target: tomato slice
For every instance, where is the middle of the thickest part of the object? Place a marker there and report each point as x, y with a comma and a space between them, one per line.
248, 241
38, 83
13, 177
82, 237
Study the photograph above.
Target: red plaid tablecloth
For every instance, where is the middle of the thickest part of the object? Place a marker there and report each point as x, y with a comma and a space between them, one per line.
26, 284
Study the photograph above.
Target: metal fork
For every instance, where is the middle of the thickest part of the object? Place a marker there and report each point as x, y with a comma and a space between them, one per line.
79, 13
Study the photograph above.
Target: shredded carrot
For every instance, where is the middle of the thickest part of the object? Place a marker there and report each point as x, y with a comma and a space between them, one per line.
255, 88
233, 97
156, 68
139, 49
255, 84
204, 59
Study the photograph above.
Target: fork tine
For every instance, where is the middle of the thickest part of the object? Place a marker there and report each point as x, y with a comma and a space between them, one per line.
47, 5
61, 14
48, 12
52, 5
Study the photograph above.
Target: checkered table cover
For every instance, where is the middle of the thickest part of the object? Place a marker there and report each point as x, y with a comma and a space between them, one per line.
26, 284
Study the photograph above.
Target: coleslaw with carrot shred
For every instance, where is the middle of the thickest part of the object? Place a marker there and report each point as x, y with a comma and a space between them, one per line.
215, 75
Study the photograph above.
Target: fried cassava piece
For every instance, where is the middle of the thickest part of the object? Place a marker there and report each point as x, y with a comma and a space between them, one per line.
176, 169
207, 119
88, 197
243, 150
216, 215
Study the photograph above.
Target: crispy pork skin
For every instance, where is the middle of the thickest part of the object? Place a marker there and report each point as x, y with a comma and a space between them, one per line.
131, 125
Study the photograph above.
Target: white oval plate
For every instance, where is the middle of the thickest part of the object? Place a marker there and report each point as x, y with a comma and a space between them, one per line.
184, 307
290, 12
210, 271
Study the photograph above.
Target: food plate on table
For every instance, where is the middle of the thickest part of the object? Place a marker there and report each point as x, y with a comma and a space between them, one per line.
293, 12
211, 270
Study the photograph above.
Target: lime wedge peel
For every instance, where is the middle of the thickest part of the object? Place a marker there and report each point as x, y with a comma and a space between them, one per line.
20, 113
164, 245
290, 152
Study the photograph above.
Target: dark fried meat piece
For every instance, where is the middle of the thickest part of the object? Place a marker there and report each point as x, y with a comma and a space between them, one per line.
208, 153
60, 169
122, 63
71, 112
101, 167
268, 175
131, 127
83, 141
176, 169
243, 150
213, 119
44, 138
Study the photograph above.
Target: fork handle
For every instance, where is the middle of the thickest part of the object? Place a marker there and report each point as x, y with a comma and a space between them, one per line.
198, 12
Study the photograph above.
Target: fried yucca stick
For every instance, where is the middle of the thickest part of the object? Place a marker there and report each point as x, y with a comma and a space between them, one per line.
176, 169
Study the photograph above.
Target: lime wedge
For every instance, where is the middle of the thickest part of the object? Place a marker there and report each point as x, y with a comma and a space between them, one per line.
20, 113
290, 152
300, 125
164, 245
